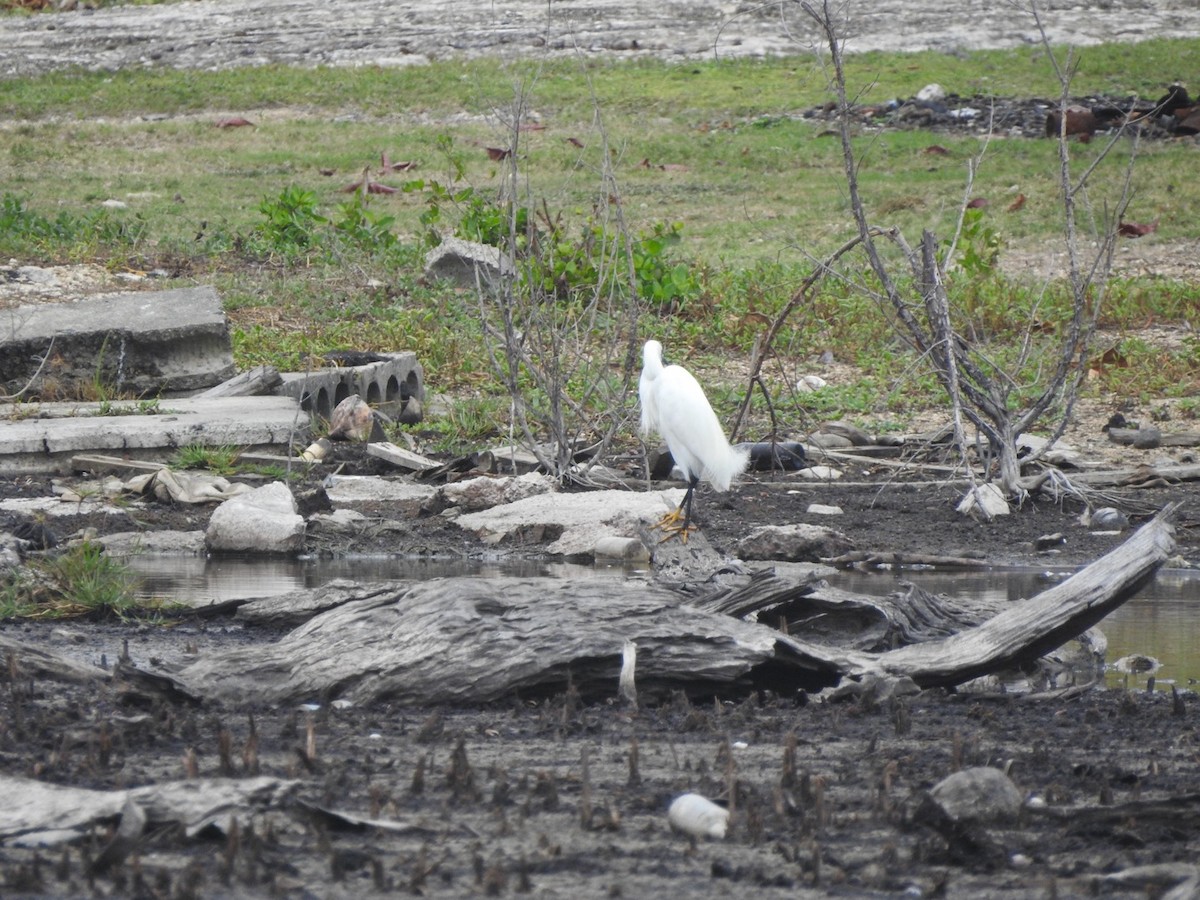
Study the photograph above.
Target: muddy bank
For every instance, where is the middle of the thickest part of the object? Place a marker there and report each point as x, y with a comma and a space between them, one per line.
217, 34
555, 798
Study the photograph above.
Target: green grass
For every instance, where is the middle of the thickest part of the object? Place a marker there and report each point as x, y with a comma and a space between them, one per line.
757, 190
80, 581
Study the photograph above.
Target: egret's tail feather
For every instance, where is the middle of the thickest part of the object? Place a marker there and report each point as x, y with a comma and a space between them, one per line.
727, 466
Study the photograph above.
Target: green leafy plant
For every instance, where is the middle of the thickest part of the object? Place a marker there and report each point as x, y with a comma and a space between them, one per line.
979, 244
292, 221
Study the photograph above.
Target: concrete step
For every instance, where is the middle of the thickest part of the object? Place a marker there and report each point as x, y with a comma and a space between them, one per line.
43, 437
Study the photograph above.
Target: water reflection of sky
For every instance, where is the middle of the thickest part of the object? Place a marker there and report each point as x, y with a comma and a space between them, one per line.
1163, 621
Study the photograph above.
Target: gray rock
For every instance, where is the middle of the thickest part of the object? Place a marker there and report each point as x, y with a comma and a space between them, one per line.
822, 509
827, 440
263, 521
855, 435
794, 543
1107, 518
981, 795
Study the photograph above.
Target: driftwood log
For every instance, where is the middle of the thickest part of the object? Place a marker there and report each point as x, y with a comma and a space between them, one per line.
469, 640
473, 640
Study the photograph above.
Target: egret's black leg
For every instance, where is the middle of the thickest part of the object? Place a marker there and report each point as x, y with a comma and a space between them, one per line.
686, 505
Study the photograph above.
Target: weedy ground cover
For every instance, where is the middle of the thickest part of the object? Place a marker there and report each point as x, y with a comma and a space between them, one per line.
727, 192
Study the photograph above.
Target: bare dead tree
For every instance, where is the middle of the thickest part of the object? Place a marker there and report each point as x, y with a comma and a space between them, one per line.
980, 391
552, 345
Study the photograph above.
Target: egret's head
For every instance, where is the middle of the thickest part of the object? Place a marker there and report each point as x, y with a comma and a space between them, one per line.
652, 354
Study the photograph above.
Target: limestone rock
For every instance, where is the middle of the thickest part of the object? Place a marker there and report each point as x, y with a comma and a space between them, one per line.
263, 521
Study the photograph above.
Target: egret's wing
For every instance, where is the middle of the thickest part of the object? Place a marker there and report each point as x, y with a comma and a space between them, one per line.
690, 427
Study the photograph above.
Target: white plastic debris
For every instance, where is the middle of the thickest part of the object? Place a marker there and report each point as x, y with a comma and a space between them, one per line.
698, 816
810, 383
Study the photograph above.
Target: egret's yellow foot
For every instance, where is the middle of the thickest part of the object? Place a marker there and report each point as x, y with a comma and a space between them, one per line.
670, 522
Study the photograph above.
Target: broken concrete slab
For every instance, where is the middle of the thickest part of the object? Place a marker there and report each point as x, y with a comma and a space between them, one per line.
469, 263
355, 491
141, 344
575, 522
30, 443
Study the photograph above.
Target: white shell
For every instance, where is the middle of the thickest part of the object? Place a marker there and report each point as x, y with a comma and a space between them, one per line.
698, 816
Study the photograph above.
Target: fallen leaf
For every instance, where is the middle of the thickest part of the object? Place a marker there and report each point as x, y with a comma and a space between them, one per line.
1137, 229
1017, 204
498, 153
386, 165
233, 122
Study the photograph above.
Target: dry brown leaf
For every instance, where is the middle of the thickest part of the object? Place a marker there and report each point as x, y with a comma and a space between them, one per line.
1137, 229
1017, 204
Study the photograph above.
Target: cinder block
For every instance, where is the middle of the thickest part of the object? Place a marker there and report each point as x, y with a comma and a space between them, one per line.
388, 385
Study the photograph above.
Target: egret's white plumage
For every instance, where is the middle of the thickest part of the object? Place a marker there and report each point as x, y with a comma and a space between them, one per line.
674, 405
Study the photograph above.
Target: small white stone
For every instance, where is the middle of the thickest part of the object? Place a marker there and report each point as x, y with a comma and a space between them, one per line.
821, 473
820, 509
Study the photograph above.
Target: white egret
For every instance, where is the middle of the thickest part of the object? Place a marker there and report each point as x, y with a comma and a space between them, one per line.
674, 405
